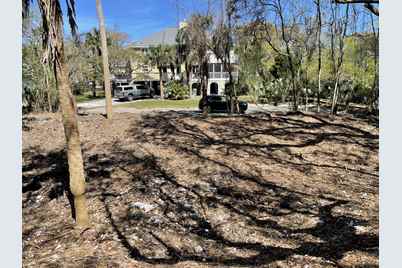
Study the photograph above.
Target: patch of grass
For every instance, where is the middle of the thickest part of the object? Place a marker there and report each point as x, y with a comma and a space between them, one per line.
87, 96
154, 104
247, 98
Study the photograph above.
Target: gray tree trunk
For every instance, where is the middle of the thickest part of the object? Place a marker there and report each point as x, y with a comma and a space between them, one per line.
105, 59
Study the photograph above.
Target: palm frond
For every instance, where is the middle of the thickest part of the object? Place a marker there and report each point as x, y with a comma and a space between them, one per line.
25, 8
52, 24
72, 20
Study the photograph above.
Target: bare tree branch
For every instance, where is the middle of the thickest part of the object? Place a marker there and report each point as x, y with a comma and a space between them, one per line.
367, 4
373, 9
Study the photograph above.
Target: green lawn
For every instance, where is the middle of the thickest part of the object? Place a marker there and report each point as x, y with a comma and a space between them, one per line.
153, 104
247, 98
87, 96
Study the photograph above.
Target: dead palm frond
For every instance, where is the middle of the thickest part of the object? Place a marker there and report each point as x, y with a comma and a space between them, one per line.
52, 25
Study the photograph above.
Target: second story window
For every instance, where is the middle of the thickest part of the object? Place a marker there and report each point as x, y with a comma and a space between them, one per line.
218, 67
210, 67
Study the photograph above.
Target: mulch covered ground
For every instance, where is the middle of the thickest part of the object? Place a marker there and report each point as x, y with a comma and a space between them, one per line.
175, 189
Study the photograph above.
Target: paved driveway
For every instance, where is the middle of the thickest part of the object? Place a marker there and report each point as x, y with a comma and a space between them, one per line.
99, 103
98, 106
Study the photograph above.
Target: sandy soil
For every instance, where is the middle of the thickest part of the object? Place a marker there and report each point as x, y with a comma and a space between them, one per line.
173, 189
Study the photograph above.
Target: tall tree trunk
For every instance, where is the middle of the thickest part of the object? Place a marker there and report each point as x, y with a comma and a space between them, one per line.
105, 59
188, 75
48, 95
74, 154
375, 88
289, 57
204, 86
334, 107
338, 65
94, 89
319, 54
186, 66
161, 83
172, 70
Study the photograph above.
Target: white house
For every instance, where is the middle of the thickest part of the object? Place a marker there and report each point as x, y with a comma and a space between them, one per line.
218, 76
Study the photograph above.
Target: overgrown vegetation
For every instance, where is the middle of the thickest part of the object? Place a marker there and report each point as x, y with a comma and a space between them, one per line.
316, 50
176, 90
84, 61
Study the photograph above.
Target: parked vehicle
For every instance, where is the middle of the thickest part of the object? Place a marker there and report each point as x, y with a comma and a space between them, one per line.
133, 91
216, 103
116, 84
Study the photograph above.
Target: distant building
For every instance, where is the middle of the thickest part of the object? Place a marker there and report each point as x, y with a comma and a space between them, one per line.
218, 77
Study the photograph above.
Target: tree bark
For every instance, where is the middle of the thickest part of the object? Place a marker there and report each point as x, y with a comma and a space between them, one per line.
49, 99
334, 107
338, 66
204, 86
319, 54
74, 154
94, 89
172, 70
367, 4
186, 66
374, 88
161, 84
105, 59
289, 57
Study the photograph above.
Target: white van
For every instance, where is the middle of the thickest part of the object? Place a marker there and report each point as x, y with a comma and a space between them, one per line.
133, 91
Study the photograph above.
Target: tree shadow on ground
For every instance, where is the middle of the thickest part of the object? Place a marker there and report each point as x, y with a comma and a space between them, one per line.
232, 215
336, 233
187, 209
49, 171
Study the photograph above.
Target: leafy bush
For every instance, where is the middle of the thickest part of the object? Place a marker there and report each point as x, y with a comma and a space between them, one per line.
175, 90
274, 91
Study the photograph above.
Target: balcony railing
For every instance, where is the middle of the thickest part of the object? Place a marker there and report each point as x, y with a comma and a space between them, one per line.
222, 75
216, 75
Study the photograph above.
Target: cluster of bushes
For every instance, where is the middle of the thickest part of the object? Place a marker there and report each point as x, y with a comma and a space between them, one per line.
176, 90
280, 91
274, 92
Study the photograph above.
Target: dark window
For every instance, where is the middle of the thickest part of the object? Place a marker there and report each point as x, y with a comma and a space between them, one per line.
214, 89
218, 67
141, 87
210, 67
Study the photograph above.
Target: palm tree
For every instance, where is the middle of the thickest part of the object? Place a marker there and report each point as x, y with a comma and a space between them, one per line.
92, 44
172, 60
52, 22
184, 52
198, 30
105, 59
158, 56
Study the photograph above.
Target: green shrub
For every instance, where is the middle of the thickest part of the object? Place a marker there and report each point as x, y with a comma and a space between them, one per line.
175, 90
273, 92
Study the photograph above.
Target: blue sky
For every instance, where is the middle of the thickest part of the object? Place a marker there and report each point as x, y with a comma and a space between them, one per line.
137, 18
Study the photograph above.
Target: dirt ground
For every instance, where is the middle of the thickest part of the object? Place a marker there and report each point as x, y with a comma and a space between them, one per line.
174, 189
